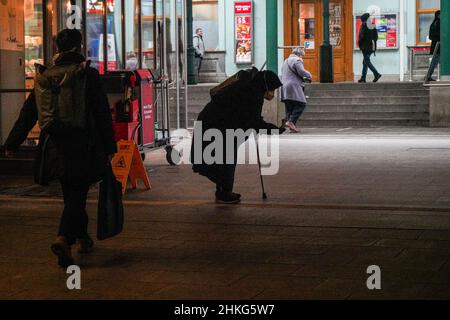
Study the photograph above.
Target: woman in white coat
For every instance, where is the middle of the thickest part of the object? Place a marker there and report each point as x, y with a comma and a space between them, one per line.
293, 78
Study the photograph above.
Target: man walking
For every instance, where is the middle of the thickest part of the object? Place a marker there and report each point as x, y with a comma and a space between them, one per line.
77, 137
293, 78
368, 37
199, 46
435, 37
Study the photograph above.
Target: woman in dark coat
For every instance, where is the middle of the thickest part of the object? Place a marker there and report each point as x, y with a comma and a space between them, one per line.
237, 106
76, 156
435, 37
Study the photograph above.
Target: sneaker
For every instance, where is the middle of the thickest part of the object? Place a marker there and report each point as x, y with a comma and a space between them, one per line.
85, 245
62, 250
227, 198
292, 127
377, 77
361, 81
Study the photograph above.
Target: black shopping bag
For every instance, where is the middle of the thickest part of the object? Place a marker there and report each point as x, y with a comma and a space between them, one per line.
110, 207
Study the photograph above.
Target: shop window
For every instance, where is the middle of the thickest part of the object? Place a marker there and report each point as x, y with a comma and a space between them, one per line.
307, 25
34, 43
424, 18
94, 34
132, 36
148, 21
205, 16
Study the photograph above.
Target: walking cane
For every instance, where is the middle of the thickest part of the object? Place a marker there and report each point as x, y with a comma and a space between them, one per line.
264, 195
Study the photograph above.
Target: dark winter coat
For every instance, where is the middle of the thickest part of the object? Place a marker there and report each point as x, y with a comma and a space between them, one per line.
366, 38
73, 154
435, 34
237, 107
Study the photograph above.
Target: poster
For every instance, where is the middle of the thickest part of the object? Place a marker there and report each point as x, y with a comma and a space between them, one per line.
11, 25
243, 32
387, 27
112, 57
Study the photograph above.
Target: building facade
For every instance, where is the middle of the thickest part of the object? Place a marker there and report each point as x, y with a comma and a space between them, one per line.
402, 24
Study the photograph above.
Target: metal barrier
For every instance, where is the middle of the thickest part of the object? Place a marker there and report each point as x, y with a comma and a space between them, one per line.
412, 55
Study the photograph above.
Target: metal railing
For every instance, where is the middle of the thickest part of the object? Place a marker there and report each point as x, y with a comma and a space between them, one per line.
412, 56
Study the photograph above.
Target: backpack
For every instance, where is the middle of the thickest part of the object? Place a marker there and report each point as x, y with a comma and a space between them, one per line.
374, 38
238, 79
61, 95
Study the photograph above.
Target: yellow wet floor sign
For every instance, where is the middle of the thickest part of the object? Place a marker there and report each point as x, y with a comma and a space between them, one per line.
127, 163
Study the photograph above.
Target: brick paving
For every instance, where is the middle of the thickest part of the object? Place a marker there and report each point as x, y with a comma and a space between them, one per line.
343, 200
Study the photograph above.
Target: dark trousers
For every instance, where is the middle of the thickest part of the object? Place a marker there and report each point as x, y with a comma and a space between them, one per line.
198, 65
294, 110
226, 182
434, 63
367, 64
74, 219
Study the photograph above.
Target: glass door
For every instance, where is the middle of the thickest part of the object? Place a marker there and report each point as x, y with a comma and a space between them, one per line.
307, 33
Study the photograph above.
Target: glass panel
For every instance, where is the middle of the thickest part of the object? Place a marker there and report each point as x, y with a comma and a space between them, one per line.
94, 33
307, 28
148, 21
34, 33
336, 24
181, 44
425, 21
132, 36
429, 4
205, 16
114, 19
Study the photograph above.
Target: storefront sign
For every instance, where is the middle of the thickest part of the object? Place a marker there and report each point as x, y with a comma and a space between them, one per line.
387, 26
243, 11
244, 7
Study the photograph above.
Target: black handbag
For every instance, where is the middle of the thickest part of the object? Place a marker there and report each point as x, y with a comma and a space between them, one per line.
110, 214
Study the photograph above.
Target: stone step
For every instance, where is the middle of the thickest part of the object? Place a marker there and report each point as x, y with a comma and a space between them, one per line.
367, 93
364, 115
363, 123
366, 86
393, 100
368, 108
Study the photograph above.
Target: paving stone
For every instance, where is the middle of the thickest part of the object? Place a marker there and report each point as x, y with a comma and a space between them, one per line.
341, 202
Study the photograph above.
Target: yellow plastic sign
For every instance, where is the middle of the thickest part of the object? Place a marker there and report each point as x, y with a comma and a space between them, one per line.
127, 163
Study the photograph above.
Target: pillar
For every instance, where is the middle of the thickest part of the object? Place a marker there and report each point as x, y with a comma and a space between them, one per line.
192, 77
445, 39
326, 49
272, 35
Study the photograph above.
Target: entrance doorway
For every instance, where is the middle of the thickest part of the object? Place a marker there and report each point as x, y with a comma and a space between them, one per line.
303, 26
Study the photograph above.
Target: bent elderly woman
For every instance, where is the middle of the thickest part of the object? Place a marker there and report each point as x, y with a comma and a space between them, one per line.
236, 106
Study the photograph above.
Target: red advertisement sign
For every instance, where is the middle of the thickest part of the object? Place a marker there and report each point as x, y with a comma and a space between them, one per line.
244, 7
147, 105
243, 32
387, 28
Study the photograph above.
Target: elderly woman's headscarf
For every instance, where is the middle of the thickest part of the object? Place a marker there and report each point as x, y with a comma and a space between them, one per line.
266, 81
